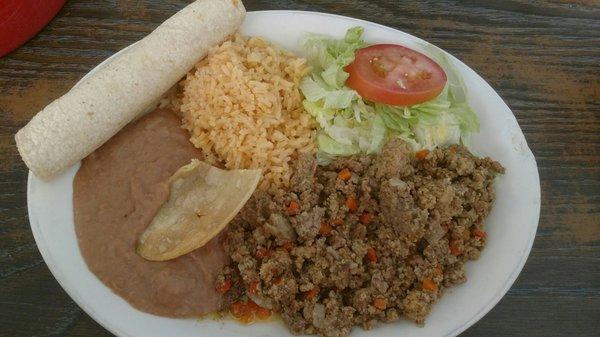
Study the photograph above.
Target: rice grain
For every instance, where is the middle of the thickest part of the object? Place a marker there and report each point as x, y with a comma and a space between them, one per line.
243, 108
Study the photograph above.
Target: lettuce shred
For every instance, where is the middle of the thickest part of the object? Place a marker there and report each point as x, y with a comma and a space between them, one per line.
349, 125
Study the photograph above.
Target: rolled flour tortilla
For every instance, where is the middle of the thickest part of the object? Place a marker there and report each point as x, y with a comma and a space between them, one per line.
74, 125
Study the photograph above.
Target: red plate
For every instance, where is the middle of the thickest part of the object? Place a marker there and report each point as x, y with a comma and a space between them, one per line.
20, 20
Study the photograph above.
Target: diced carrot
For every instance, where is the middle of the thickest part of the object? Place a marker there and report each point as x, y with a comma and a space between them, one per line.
248, 311
337, 222
293, 208
288, 246
312, 293
252, 306
454, 249
422, 154
263, 313
351, 204
380, 303
365, 218
438, 270
325, 229
262, 253
278, 281
479, 233
247, 318
253, 287
429, 285
256, 310
224, 286
238, 309
345, 174
372, 255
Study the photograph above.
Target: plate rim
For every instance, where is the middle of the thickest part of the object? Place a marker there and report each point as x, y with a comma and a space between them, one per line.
38, 236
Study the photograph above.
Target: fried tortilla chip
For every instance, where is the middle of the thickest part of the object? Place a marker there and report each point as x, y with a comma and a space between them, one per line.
202, 201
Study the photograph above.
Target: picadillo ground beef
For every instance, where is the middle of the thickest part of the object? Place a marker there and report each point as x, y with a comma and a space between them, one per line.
364, 239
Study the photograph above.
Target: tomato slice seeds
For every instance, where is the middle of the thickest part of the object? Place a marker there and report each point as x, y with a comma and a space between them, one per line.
394, 74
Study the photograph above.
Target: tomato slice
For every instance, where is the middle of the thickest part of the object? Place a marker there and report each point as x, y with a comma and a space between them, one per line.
395, 75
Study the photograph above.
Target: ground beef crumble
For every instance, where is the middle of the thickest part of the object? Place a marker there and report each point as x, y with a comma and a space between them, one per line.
377, 244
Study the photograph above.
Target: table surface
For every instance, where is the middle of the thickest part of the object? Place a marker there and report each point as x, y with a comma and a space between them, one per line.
542, 57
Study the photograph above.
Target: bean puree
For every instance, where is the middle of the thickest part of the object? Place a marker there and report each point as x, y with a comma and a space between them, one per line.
116, 193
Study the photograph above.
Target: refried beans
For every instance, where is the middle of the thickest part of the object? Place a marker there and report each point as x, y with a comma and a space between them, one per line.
116, 193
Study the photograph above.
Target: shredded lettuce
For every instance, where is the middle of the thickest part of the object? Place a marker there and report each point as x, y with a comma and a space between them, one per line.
352, 135
349, 125
444, 131
329, 56
456, 94
332, 147
315, 90
431, 124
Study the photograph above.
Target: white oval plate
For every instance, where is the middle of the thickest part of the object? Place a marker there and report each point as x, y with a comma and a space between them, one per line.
511, 226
